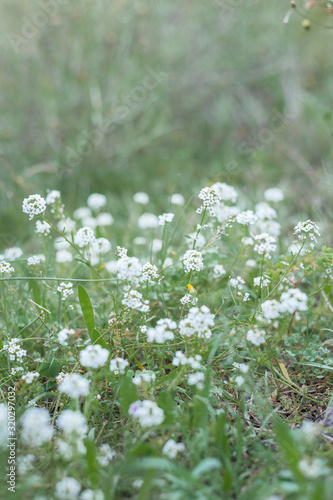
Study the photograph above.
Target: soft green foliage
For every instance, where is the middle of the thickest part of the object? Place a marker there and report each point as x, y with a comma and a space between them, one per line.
122, 96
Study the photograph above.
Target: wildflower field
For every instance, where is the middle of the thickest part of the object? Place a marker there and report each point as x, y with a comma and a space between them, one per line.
166, 257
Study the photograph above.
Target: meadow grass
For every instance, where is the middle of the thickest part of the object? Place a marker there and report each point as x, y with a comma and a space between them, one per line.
185, 356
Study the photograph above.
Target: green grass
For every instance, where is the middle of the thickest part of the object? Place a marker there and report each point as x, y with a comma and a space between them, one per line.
177, 95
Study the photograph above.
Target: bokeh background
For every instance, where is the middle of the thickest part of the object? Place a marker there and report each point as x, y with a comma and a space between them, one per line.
120, 96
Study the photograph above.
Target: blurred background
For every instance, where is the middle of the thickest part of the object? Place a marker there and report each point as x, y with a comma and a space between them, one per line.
120, 96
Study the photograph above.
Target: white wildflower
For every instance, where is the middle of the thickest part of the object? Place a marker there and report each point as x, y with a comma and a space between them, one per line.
256, 336
171, 449
52, 196
67, 489
65, 289
147, 221
247, 217
177, 199
84, 236
30, 377
192, 261
94, 356
147, 412
96, 201
75, 386
141, 198
34, 205
274, 194
162, 219
118, 365
6, 268
36, 427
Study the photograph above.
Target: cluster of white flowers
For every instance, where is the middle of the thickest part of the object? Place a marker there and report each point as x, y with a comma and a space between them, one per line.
246, 218
312, 468
196, 379
264, 211
61, 377
141, 198
225, 192
192, 261
121, 252
145, 376
25, 464
101, 246
189, 299
15, 351
34, 205
162, 331
193, 362
147, 412
67, 489
29, 377
147, 221
210, 198
36, 259
6, 268
36, 427
72, 422
239, 380
242, 367
126, 269
64, 334
149, 272
265, 244
198, 322
12, 253
261, 281
94, 356
164, 218
219, 271
171, 449
52, 196
75, 385
307, 230
256, 336
105, 455
96, 201
84, 236
237, 283
274, 194
65, 289
270, 309
63, 256
133, 300
118, 365
177, 199
293, 300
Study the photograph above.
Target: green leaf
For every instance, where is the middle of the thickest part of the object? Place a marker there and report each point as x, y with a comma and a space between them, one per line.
206, 465
87, 309
50, 368
97, 338
166, 401
127, 394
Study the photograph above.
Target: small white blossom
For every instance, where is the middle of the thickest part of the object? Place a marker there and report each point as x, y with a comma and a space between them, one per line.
219, 271
66, 225
188, 299
193, 261
96, 201
261, 281
147, 221
105, 455
237, 282
82, 213
162, 331
274, 194
144, 376
147, 412
104, 219
133, 300
13, 253
36, 259
101, 246
65, 289
307, 230
141, 198
209, 197
239, 380
171, 449
94, 356
5, 267
72, 423
30, 377
247, 217
63, 256
149, 272
270, 309
75, 386
196, 379
118, 365
225, 192
34, 205
177, 199
67, 489
312, 468
84, 236
256, 336
197, 322
162, 219
36, 427
265, 211
293, 300
265, 244
52, 196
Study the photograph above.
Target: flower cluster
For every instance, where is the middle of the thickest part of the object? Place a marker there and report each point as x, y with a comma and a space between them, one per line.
162, 332
246, 218
149, 272
75, 386
188, 299
29, 377
256, 336
198, 322
94, 356
36, 259
192, 362
133, 300
147, 412
6, 268
118, 365
145, 376
65, 289
84, 236
171, 449
192, 261
15, 351
164, 218
210, 198
265, 244
307, 230
36, 427
64, 334
34, 205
